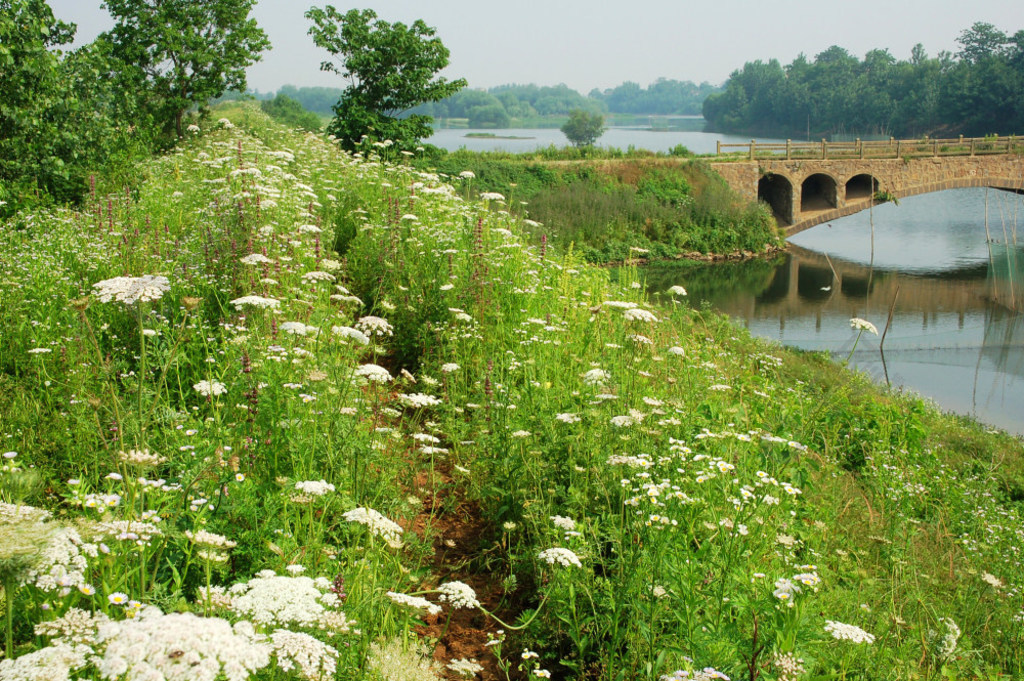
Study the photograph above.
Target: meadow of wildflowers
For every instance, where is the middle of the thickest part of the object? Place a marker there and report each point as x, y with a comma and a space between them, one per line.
252, 402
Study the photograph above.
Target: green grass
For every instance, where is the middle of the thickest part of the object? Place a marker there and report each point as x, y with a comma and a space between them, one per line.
608, 206
724, 498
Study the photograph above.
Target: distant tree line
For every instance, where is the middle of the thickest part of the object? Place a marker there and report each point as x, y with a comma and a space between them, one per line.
977, 91
496, 107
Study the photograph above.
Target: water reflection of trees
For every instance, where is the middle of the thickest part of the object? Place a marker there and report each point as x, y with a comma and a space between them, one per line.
716, 283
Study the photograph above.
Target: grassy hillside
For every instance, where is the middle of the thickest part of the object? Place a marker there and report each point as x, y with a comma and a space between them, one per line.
606, 204
277, 412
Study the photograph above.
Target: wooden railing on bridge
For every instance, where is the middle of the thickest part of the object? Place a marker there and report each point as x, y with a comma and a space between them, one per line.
891, 148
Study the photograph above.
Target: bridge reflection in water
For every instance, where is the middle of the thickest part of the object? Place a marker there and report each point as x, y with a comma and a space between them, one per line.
955, 336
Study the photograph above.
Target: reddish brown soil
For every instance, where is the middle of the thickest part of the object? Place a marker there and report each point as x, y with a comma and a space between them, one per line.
456, 543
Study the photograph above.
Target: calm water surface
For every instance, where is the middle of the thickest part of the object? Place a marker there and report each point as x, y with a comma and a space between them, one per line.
957, 331
620, 138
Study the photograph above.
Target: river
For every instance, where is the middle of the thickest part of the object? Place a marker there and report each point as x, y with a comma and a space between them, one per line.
957, 329
619, 138
956, 293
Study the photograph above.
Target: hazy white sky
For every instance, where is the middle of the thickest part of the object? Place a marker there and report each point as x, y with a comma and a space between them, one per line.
594, 43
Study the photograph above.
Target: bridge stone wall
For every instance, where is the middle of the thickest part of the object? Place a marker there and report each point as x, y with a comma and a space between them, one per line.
899, 177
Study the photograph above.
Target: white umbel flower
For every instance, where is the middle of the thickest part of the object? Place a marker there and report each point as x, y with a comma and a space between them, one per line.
560, 556
848, 632
563, 523
210, 388
374, 326
637, 314
459, 595
415, 602
131, 290
56, 663
312, 658
255, 301
255, 259
377, 524
314, 488
858, 324
179, 646
373, 373
269, 598
418, 400
347, 332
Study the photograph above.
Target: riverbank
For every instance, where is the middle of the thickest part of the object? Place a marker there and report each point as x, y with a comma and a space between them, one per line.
612, 205
442, 424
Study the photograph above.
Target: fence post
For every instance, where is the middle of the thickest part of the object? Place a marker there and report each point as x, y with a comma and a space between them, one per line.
718, 147
753, 144
973, 140
860, 147
935, 147
824, 149
789, 150
898, 144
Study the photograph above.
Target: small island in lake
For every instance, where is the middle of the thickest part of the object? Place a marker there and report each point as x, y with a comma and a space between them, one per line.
492, 136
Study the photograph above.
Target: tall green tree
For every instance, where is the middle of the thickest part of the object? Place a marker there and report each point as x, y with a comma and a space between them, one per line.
61, 117
583, 128
391, 68
182, 53
29, 88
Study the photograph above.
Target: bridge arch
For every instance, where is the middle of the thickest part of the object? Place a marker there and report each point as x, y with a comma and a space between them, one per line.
819, 191
777, 191
1011, 184
841, 181
862, 186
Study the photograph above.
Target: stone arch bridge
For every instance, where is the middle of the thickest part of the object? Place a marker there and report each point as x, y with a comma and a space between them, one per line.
808, 184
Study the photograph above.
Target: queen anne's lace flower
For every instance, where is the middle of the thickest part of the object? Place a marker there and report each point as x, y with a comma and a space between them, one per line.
209, 539
318, 276
269, 598
297, 328
210, 388
459, 595
313, 658
56, 662
374, 326
563, 557
314, 488
858, 324
465, 668
563, 523
637, 314
255, 301
373, 373
415, 602
350, 333
179, 646
848, 632
418, 400
131, 290
377, 524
